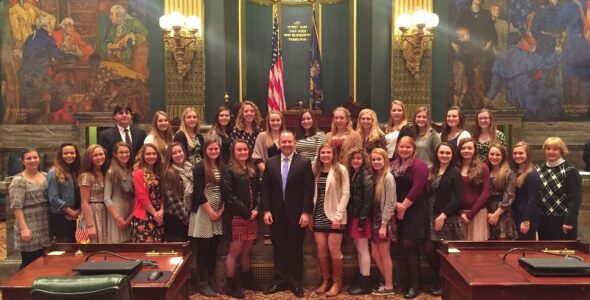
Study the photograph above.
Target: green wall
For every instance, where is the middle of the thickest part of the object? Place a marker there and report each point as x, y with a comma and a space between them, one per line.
374, 56
440, 61
258, 52
214, 57
335, 55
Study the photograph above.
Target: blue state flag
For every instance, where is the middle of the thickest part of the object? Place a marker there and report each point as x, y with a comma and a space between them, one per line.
316, 93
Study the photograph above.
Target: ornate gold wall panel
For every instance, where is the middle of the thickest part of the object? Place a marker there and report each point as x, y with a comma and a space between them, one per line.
190, 91
413, 92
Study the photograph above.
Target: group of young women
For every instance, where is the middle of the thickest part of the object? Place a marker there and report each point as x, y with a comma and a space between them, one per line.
405, 190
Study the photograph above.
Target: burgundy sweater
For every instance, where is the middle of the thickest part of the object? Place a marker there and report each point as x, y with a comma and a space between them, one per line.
475, 196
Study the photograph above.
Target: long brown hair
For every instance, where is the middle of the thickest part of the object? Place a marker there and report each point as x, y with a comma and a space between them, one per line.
357, 150
436, 163
170, 176
335, 165
87, 160
491, 129
522, 172
422, 109
161, 139
211, 165
240, 123
217, 127
150, 175
379, 176
115, 172
237, 166
475, 168
300, 131
500, 182
63, 171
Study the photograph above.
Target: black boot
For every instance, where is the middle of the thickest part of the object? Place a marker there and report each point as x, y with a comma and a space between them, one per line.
400, 274
355, 284
248, 282
363, 288
435, 290
233, 289
414, 277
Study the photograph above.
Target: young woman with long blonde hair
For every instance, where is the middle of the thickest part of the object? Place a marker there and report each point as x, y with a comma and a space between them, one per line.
527, 194
189, 136
499, 204
342, 137
368, 128
147, 223
332, 192
91, 182
267, 142
383, 218
161, 134
247, 125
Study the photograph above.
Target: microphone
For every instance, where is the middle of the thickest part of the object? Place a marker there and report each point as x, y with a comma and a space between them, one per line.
565, 251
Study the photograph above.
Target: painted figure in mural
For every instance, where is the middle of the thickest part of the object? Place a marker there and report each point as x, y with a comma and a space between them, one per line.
41, 94
8, 68
478, 21
544, 26
69, 40
462, 65
577, 54
22, 18
21, 15
502, 29
127, 40
544, 30
514, 68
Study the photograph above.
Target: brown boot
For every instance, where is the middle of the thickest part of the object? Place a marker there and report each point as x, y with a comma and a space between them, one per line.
337, 272
325, 273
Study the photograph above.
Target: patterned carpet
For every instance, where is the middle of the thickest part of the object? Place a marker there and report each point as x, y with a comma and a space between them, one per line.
310, 295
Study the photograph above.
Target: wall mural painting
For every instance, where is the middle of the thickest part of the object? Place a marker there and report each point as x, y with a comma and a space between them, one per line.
533, 55
60, 57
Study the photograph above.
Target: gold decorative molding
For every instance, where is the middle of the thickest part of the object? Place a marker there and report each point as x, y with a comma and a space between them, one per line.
404, 86
190, 91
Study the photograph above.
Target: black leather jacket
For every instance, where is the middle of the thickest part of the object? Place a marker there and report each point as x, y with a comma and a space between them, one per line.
235, 191
362, 196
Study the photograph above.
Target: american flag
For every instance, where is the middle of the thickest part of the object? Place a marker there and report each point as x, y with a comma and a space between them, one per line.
81, 233
276, 90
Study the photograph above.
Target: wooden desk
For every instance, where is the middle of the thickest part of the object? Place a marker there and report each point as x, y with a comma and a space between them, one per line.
177, 287
478, 272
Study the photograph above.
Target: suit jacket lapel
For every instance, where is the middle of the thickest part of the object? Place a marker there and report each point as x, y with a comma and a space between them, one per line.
117, 134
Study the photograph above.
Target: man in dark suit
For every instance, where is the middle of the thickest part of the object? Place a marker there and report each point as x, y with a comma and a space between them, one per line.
123, 131
287, 202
